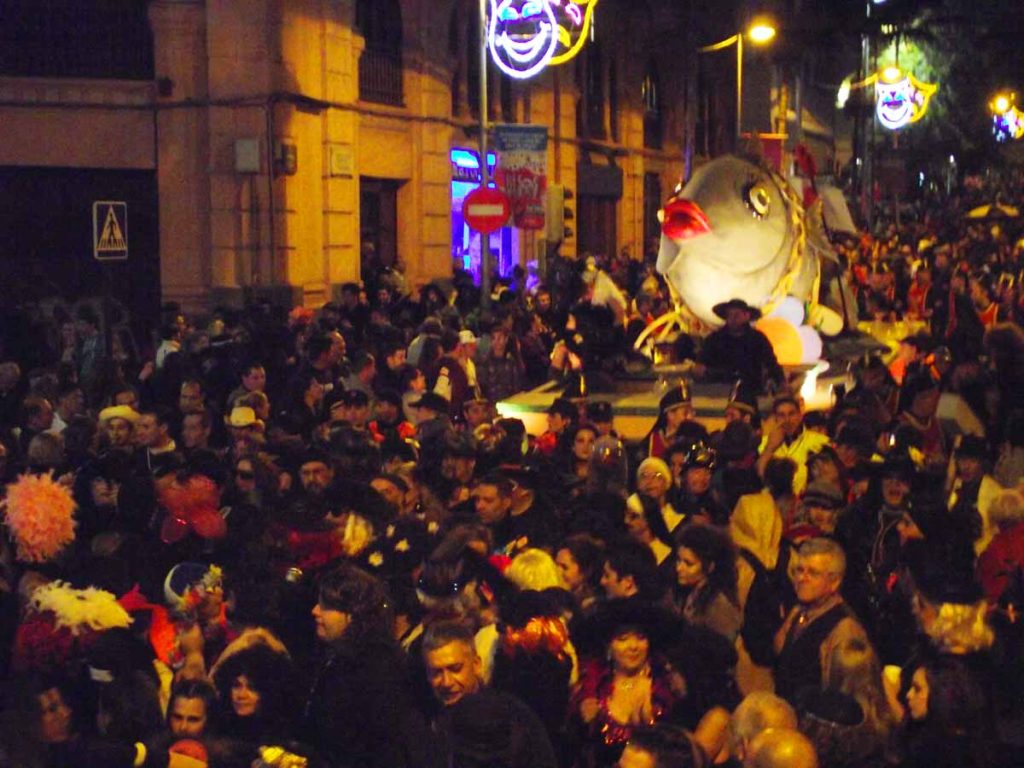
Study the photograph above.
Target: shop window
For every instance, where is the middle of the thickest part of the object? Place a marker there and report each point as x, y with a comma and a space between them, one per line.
108, 39
380, 65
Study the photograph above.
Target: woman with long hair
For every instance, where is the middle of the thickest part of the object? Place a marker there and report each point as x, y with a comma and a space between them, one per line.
947, 719
856, 672
254, 682
581, 559
629, 686
360, 704
706, 570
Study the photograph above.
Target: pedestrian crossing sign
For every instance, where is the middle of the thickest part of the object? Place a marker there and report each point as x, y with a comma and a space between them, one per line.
109, 230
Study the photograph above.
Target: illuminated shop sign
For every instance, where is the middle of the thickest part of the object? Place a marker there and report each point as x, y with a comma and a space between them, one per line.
525, 36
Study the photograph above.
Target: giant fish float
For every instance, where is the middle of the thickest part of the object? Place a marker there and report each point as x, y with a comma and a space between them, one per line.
739, 230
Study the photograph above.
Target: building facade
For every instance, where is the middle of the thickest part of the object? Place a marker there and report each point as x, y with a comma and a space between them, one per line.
269, 147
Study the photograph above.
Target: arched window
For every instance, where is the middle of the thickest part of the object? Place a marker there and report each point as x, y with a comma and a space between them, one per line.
380, 65
650, 95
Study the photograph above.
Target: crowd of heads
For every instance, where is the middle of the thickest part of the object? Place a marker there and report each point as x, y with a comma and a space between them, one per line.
270, 537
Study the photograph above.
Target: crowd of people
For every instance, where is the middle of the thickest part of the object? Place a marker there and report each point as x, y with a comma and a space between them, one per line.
307, 538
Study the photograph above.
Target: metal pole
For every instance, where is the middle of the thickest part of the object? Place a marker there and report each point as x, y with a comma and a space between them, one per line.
739, 89
485, 240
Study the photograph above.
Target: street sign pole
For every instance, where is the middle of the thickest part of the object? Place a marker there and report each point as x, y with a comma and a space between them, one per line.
485, 239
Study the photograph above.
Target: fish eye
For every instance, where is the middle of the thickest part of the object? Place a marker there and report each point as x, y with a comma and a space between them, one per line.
757, 199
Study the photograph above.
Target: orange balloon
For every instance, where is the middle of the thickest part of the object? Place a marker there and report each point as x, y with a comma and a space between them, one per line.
785, 339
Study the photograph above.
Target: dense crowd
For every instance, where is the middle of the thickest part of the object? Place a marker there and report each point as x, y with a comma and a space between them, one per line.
280, 538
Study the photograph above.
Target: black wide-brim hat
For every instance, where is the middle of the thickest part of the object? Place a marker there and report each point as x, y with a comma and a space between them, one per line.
659, 625
722, 309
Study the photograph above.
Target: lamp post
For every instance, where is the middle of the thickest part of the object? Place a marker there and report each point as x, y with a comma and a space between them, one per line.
759, 34
485, 239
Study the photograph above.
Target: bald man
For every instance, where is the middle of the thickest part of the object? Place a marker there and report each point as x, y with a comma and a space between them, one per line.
758, 712
781, 748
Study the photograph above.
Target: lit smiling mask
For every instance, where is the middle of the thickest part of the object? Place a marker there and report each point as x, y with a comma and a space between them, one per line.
525, 36
901, 98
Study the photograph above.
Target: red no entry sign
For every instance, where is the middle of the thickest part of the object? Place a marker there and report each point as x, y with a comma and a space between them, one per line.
486, 210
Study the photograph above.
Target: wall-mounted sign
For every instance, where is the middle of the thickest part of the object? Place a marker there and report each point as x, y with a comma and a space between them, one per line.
525, 36
900, 98
522, 174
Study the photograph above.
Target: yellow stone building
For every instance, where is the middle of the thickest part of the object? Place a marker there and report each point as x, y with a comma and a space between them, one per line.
262, 146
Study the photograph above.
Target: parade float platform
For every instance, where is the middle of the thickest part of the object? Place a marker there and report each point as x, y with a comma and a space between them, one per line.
635, 394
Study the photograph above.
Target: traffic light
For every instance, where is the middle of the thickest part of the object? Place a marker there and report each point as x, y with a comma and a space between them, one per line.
557, 214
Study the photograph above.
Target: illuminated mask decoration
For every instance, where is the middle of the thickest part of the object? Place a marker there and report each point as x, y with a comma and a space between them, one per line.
525, 36
1007, 120
901, 99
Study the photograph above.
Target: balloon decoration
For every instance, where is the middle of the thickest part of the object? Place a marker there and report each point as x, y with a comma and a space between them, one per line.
794, 342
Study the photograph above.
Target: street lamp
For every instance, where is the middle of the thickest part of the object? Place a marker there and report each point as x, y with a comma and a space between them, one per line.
760, 33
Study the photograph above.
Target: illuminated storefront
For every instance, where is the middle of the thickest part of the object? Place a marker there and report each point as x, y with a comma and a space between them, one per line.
465, 165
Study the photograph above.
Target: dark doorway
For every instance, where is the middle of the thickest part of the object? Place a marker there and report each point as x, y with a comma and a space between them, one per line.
597, 230
378, 221
46, 242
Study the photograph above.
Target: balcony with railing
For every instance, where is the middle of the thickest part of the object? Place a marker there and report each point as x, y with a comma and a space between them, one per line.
380, 76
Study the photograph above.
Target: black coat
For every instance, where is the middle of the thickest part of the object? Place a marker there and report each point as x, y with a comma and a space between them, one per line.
748, 356
360, 714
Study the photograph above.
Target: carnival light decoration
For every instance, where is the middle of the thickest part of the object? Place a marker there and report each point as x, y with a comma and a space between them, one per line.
526, 36
1007, 120
901, 99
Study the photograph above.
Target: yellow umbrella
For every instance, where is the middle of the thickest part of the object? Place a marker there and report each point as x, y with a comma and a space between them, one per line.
993, 211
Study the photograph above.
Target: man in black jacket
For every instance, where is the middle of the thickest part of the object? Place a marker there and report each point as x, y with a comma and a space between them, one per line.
737, 350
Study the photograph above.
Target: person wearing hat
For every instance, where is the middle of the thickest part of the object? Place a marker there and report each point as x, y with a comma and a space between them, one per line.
742, 406
600, 413
693, 466
431, 415
868, 531
974, 489
675, 421
628, 683
822, 505
737, 350
476, 411
918, 406
562, 414
458, 465
118, 424
390, 422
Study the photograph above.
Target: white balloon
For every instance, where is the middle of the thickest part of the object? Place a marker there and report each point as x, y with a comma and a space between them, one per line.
812, 343
791, 309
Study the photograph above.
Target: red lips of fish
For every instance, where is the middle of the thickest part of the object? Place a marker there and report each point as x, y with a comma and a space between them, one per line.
684, 220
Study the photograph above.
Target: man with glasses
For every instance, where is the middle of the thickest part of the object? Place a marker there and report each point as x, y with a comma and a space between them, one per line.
819, 621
